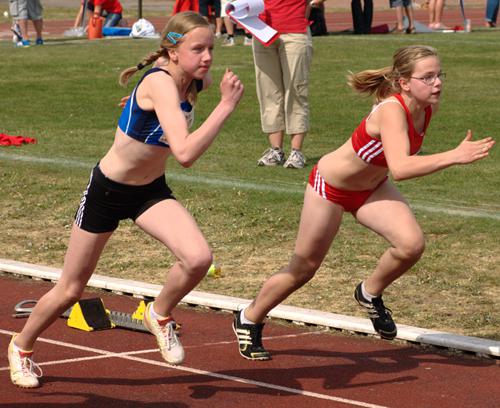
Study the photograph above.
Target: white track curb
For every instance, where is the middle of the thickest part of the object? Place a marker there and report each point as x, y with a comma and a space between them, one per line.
483, 347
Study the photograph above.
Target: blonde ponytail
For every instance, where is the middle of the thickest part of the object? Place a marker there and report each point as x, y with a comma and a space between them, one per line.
128, 72
380, 82
385, 81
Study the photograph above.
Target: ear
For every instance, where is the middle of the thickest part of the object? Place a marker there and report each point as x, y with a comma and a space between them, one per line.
404, 84
172, 55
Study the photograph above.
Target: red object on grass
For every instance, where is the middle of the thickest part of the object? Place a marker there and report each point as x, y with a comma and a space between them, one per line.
380, 29
6, 140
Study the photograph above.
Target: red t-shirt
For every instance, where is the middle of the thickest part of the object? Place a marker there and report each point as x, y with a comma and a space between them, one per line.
286, 16
110, 6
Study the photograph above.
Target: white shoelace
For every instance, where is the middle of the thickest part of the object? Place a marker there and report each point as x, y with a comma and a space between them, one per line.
169, 335
31, 368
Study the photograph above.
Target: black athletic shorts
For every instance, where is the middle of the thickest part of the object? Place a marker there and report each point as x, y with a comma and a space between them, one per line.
105, 202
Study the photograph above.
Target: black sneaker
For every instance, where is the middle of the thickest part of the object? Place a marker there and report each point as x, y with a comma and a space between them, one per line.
379, 315
250, 339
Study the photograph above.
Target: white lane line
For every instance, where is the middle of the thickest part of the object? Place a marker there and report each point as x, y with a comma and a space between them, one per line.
130, 356
464, 211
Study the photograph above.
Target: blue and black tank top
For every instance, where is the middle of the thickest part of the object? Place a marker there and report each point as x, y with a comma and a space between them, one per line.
143, 125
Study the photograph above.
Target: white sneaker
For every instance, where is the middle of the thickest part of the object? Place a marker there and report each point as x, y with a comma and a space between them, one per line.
164, 331
17, 37
272, 157
228, 42
247, 41
218, 35
296, 160
24, 372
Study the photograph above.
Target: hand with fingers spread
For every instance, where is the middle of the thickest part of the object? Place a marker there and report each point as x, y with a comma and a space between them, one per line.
231, 88
469, 150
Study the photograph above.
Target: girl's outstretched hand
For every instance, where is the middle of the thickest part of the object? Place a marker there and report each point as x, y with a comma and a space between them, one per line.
231, 88
471, 150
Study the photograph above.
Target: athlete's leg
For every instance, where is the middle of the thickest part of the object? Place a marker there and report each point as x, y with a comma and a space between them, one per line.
319, 223
84, 250
387, 213
170, 223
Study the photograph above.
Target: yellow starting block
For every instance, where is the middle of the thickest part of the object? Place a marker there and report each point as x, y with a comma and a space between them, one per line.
139, 312
90, 315
138, 317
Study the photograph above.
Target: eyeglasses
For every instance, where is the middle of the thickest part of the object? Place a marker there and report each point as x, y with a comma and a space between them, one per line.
431, 79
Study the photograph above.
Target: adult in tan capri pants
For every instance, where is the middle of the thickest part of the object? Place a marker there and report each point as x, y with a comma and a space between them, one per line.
282, 79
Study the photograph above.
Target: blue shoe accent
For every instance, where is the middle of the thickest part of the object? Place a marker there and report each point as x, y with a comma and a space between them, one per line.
25, 43
39, 41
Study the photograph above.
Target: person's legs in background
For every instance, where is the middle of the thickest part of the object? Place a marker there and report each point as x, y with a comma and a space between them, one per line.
491, 13
228, 24
367, 16
362, 16
397, 5
19, 11
357, 17
411, 18
218, 19
112, 20
436, 15
270, 93
38, 24
206, 9
35, 14
296, 58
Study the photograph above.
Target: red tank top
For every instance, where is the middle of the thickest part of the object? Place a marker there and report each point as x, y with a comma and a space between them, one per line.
370, 149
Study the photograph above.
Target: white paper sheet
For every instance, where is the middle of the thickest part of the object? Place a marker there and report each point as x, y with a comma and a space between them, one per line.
245, 13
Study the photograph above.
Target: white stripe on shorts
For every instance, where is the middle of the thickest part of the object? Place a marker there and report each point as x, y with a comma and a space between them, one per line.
319, 184
81, 208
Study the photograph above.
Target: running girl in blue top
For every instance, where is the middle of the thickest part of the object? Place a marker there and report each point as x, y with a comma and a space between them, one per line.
129, 182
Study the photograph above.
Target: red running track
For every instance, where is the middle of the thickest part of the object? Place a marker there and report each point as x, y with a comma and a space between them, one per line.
122, 368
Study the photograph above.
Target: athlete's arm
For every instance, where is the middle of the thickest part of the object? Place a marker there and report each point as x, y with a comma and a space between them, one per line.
188, 147
394, 135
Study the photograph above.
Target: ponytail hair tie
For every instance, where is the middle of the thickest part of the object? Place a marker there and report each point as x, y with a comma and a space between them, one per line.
140, 66
173, 37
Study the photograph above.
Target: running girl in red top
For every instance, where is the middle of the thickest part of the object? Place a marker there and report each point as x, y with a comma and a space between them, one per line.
129, 183
354, 178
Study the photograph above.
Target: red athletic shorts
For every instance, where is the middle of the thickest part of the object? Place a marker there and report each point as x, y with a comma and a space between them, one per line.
349, 200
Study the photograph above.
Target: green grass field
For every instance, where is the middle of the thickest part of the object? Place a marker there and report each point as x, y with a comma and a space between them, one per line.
66, 95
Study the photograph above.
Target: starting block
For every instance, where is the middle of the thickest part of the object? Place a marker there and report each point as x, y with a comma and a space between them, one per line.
90, 315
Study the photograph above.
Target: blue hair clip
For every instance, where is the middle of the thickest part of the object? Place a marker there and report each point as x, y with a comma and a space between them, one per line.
174, 37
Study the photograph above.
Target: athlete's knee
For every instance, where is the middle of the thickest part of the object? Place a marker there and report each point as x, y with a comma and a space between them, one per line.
70, 293
304, 269
198, 263
412, 248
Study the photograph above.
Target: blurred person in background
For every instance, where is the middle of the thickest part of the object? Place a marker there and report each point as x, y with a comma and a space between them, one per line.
436, 8
111, 10
491, 13
22, 11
